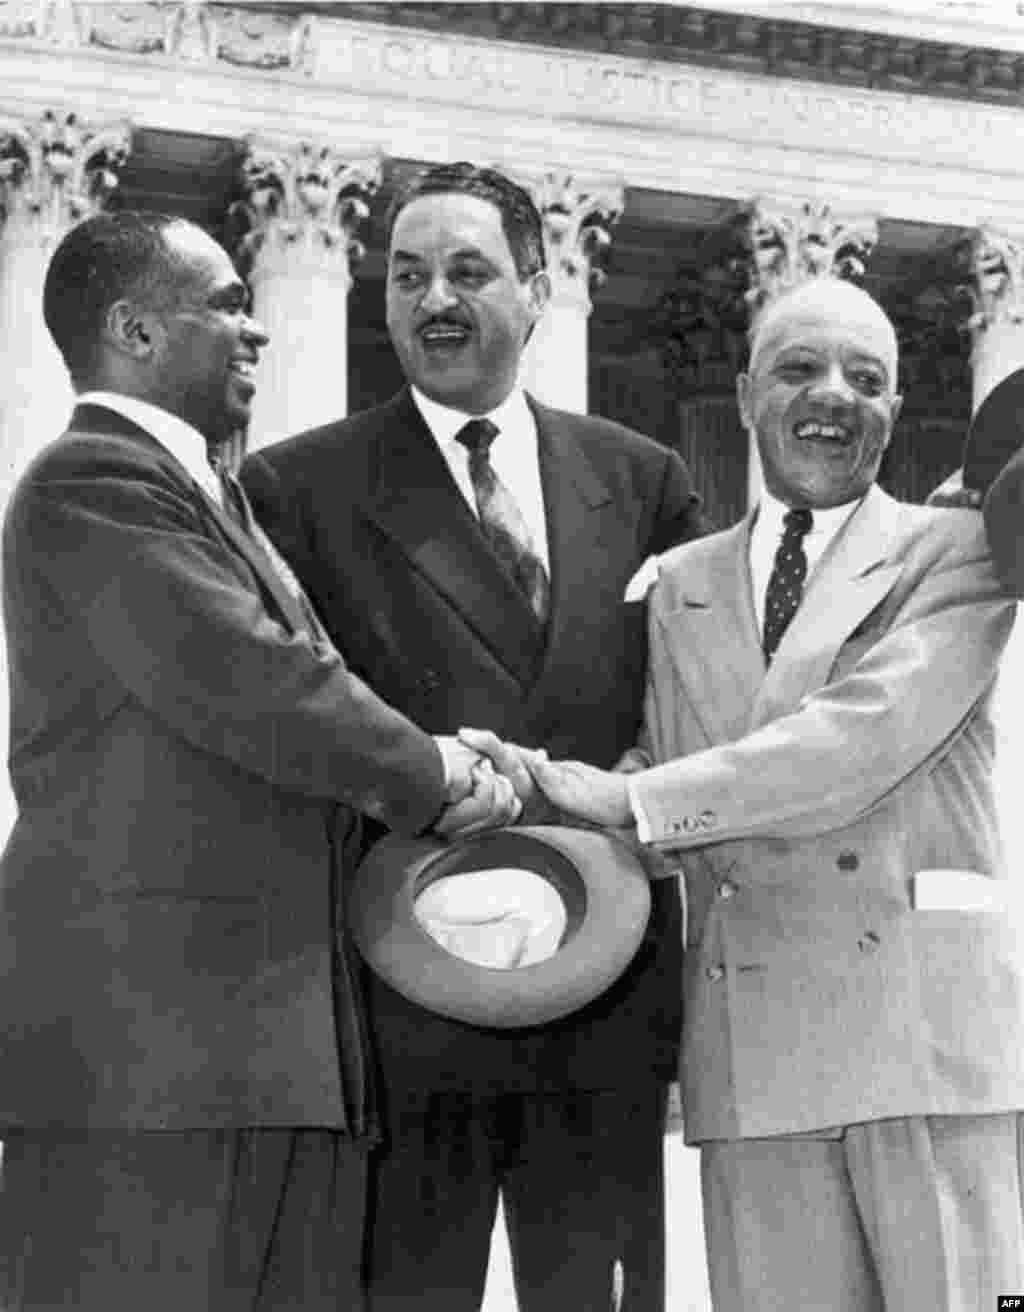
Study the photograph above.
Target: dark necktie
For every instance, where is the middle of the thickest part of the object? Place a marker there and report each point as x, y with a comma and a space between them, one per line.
237, 508
501, 519
786, 584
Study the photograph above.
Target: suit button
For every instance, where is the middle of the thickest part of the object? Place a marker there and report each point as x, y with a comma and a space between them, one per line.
727, 890
714, 973
847, 860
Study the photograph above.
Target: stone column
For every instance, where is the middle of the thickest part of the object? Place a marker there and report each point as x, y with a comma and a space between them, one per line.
997, 324
302, 207
789, 243
577, 229
53, 172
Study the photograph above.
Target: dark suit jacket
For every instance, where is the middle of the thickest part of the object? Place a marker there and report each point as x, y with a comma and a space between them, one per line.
367, 513
179, 750
1004, 512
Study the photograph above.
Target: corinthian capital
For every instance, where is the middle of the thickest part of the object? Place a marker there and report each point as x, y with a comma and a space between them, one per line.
56, 171
577, 227
997, 280
790, 243
305, 202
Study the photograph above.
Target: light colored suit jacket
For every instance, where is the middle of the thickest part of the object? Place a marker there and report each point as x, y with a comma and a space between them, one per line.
800, 802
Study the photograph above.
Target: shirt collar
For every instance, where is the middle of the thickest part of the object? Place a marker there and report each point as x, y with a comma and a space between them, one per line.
445, 423
185, 443
771, 512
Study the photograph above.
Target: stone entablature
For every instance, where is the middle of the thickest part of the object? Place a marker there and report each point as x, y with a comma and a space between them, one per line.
922, 57
433, 95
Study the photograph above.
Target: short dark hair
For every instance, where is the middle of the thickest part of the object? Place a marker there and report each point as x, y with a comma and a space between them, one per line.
520, 218
100, 261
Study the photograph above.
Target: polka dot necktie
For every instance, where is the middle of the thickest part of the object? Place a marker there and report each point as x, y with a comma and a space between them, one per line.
501, 519
786, 584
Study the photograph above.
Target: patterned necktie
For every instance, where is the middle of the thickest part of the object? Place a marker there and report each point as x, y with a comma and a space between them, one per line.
237, 508
502, 520
786, 584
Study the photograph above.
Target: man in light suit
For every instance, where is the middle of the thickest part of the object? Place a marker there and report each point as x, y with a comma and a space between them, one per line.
818, 723
183, 1096
387, 519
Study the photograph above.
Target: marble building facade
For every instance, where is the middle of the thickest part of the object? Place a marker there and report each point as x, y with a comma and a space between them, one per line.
683, 158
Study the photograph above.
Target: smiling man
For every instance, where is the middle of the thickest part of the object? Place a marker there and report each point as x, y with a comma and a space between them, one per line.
819, 744
469, 550
183, 1096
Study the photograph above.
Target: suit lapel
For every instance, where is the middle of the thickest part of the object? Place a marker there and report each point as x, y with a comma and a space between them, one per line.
717, 656
851, 579
260, 564
416, 503
580, 546
99, 420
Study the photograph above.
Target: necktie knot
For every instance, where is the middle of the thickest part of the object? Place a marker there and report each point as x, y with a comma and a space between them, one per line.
797, 522
477, 436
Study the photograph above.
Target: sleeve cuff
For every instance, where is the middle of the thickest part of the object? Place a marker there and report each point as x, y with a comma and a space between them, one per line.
643, 826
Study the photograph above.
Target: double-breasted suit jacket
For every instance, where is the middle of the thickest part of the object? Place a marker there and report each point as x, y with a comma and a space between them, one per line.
367, 513
801, 802
187, 762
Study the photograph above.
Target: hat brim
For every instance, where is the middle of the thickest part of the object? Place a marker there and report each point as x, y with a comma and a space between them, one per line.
996, 433
603, 886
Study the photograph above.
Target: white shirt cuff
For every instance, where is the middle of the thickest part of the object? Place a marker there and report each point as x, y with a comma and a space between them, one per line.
643, 826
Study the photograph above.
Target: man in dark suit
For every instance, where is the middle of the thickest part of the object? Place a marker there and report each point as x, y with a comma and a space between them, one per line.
469, 550
183, 1093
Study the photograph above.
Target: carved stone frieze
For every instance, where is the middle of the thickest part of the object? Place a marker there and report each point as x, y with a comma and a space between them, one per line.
303, 202
193, 31
58, 22
56, 171
745, 42
268, 40
259, 34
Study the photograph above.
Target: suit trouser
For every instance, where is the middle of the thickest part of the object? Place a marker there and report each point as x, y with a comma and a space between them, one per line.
581, 1181
198, 1221
916, 1212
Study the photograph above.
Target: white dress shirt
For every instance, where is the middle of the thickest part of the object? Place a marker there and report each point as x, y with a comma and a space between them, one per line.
185, 443
765, 536
513, 452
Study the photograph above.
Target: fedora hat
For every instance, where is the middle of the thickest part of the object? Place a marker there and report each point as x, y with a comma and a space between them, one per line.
996, 432
508, 928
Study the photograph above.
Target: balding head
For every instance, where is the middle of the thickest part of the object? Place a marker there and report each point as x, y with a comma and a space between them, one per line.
834, 299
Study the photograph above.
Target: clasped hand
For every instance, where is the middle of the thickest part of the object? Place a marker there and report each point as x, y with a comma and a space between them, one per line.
492, 782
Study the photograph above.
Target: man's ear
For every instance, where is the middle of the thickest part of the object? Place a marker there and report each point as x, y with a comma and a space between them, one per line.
130, 330
540, 292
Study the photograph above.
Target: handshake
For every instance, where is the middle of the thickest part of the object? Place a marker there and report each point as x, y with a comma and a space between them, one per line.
492, 783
